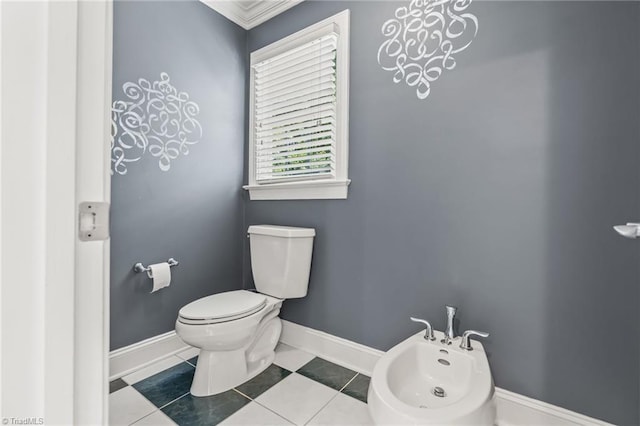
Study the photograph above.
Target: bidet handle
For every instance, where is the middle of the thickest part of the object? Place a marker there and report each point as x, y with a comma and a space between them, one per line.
428, 335
466, 338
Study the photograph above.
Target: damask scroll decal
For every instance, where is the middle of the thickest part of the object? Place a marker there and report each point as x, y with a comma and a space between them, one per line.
154, 118
423, 39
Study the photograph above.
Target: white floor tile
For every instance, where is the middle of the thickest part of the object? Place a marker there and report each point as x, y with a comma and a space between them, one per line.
155, 419
291, 358
189, 353
343, 410
255, 414
127, 405
149, 371
297, 398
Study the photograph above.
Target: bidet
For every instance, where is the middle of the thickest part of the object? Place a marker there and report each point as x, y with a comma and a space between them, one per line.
422, 381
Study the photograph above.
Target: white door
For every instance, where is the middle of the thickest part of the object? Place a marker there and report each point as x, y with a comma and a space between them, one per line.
55, 90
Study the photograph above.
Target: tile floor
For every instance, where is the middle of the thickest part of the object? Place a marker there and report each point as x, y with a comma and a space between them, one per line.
298, 388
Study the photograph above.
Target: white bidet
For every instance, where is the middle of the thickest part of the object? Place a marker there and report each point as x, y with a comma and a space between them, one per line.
422, 381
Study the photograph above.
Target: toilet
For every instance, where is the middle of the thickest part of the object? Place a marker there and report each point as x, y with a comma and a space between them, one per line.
237, 331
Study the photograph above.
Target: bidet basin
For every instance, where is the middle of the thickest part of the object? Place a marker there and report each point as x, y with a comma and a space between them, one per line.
426, 382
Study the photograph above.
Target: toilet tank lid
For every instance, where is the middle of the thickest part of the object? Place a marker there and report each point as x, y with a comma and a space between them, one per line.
281, 231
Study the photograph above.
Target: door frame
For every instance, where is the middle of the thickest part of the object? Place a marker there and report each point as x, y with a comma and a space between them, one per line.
93, 183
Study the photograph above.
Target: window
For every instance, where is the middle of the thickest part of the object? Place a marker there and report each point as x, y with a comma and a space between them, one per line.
299, 107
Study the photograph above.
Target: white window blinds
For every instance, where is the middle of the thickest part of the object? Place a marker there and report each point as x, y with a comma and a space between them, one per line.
295, 113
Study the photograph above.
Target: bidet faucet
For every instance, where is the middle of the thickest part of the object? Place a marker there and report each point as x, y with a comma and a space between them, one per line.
466, 338
428, 334
449, 334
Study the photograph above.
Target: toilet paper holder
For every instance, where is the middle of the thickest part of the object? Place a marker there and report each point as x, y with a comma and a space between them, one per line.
139, 267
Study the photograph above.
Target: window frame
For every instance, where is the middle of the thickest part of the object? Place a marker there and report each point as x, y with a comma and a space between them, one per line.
312, 188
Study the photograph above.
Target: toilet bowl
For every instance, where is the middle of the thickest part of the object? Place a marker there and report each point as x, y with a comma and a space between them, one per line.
233, 348
424, 382
237, 331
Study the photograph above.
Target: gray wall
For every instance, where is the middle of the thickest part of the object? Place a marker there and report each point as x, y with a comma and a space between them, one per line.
192, 212
496, 194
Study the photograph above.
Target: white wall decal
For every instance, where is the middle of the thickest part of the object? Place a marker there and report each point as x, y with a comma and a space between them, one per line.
422, 39
154, 117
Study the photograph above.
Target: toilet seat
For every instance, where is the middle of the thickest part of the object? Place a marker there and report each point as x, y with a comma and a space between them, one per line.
222, 307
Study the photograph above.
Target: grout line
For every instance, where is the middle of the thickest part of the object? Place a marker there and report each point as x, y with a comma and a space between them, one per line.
145, 416
146, 399
349, 382
334, 397
263, 406
246, 396
277, 414
171, 402
323, 407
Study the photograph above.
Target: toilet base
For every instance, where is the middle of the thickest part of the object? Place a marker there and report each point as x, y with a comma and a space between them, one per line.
220, 371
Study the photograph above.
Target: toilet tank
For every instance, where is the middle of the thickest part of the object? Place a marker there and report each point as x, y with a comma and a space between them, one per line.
281, 259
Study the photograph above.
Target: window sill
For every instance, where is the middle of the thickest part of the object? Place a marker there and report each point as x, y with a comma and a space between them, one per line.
314, 190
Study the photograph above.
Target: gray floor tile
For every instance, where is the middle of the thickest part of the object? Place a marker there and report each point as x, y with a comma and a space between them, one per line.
193, 361
117, 384
327, 373
167, 385
208, 410
263, 381
358, 388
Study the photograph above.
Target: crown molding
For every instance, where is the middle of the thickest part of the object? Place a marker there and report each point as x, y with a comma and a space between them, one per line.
250, 14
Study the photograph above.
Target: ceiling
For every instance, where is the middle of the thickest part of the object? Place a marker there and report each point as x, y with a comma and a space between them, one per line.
250, 13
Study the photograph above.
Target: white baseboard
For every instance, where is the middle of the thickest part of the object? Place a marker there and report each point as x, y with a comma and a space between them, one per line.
349, 354
513, 409
516, 409
139, 355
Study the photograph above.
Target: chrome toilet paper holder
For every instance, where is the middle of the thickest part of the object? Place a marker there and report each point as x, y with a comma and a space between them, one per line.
139, 267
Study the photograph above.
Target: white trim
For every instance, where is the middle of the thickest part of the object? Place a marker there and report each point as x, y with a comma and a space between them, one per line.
60, 211
516, 409
513, 409
93, 183
38, 65
312, 189
1, 204
146, 352
230, 10
249, 15
349, 354
24, 63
